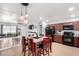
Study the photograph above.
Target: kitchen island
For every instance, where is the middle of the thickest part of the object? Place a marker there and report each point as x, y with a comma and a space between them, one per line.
9, 42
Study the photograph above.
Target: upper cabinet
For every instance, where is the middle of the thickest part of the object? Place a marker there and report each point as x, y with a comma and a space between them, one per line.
76, 25
59, 26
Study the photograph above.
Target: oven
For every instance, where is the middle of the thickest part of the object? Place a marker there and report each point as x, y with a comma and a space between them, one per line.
68, 35
68, 38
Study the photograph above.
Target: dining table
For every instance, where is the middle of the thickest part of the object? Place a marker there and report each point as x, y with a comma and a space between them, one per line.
37, 42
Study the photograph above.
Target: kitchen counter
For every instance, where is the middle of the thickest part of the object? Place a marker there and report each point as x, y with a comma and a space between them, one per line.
76, 33
9, 37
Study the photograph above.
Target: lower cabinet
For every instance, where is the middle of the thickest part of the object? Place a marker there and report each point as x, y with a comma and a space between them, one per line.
58, 38
76, 41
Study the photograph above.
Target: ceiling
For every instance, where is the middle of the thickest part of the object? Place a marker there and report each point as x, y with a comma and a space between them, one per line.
9, 12
53, 12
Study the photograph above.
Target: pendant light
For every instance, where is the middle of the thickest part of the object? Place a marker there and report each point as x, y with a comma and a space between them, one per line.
24, 15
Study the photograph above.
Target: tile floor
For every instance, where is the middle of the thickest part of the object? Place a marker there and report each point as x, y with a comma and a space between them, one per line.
58, 50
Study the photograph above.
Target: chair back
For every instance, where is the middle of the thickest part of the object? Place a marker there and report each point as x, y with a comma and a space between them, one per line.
31, 44
46, 41
50, 37
23, 41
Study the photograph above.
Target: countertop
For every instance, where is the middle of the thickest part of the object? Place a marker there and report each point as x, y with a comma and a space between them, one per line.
9, 37
76, 33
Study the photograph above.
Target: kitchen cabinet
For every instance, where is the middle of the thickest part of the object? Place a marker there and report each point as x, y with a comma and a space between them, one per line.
58, 38
76, 25
76, 41
58, 26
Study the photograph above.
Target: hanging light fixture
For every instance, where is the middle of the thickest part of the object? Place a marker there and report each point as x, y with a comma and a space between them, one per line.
24, 15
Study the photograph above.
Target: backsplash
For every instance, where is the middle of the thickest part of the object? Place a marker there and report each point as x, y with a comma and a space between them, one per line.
76, 33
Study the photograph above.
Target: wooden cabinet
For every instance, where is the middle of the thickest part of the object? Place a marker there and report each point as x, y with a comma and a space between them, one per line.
58, 26
76, 25
76, 41
58, 38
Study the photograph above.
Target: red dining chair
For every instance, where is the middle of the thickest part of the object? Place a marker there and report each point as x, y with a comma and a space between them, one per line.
35, 50
24, 45
31, 47
50, 38
46, 46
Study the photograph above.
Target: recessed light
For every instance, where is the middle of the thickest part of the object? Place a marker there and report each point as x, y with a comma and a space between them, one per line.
47, 20
44, 24
73, 15
40, 18
71, 8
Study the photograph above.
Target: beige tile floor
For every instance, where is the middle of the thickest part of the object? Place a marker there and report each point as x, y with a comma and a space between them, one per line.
58, 50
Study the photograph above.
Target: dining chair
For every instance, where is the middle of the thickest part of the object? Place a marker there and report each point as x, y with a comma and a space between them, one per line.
31, 47
50, 38
34, 48
43, 48
46, 46
24, 45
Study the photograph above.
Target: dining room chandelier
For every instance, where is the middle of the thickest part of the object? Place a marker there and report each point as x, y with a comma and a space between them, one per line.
24, 15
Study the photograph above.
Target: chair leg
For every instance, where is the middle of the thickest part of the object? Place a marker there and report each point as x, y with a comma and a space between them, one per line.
24, 53
28, 52
43, 52
33, 53
48, 51
40, 52
51, 48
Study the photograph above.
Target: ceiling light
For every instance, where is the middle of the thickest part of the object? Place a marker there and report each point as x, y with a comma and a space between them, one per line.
40, 18
25, 21
44, 24
26, 16
22, 17
71, 8
47, 20
73, 16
